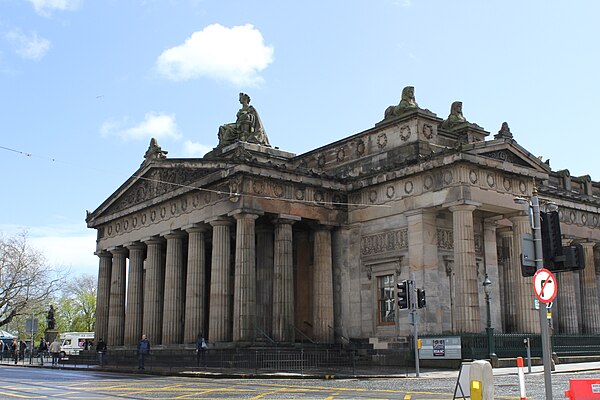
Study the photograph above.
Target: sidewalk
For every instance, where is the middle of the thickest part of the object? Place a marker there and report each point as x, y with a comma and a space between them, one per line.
358, 373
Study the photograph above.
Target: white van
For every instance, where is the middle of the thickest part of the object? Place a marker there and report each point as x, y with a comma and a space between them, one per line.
72, 343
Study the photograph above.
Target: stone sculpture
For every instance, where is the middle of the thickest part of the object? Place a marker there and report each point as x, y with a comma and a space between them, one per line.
51, 322
247, 127
456, 116
504, 132
407, 103
155, 152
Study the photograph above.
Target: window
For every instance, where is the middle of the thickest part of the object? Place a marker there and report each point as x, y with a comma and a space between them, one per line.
386, 301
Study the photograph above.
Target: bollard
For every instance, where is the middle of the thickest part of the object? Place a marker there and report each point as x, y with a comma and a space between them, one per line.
481, 375
583, 389
521, 378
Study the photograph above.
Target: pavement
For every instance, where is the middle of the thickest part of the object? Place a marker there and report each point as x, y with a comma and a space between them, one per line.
358, 373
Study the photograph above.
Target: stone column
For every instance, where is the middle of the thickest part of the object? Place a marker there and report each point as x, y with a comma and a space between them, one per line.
173, 308
323, 287
264, 279
590, 309
244, 297
135, 294
467, 286
195, 284
509, 275
423, 266
116, 312
566, 302
528, 319
153, 291
283, 284
490, 247
103, 295
219, 324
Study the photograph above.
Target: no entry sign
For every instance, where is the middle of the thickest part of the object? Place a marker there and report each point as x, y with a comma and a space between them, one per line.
544, 285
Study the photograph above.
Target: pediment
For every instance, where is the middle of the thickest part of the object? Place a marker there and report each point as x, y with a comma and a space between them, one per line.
508, 151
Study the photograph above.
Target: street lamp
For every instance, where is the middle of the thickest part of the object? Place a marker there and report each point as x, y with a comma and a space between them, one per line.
487, 288
534, 204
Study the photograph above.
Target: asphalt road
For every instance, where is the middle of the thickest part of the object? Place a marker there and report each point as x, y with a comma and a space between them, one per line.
49, 383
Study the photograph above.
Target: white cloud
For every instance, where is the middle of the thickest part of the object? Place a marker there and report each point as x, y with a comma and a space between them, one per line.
193, 149
154, 125
45, 7
236, 55
31, 47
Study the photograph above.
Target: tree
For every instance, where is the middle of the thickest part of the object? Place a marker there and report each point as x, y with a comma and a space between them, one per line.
76, 308
25, 281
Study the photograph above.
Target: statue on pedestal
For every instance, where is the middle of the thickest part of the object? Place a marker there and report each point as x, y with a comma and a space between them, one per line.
51, 322
247, 127
456, 116
407, 103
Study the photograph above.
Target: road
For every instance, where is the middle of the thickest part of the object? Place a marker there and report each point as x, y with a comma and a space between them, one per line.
48, 383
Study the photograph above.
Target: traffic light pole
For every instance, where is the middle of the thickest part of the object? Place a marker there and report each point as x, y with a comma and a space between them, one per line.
539, 264
415, 320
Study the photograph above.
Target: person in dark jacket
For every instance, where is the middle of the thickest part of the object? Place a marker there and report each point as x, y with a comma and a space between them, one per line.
101, 349
201, 348
42, 350
143, 349
14, 350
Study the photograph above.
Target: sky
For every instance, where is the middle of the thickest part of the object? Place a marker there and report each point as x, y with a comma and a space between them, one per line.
85, 84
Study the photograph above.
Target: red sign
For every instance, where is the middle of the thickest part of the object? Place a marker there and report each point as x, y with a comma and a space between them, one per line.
544, 285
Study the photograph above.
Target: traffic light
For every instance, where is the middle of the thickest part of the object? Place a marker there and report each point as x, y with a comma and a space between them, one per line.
574, 258
403, 294
551, 239
421, 298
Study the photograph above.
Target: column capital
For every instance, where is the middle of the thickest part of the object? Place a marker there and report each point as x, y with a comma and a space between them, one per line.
173, 235
153, 240
104, 253
519, 218
220, 221
197, 227
504, 231
119, 251
241, 214
462, 206
135, 246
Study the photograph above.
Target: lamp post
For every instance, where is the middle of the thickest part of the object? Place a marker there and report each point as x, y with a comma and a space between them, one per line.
534, 203
487, 288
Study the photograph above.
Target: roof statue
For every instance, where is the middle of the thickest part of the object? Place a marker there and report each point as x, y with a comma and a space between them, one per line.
247, 128
504, 132
407, 103
155, 152
51, 322
456, 116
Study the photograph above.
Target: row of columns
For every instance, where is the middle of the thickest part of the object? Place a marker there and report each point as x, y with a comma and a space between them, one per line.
169, 306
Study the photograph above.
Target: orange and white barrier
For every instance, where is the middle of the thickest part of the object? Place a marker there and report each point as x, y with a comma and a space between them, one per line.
583, 389
521, 378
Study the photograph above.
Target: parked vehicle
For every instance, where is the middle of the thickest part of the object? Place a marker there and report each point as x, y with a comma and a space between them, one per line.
73, 342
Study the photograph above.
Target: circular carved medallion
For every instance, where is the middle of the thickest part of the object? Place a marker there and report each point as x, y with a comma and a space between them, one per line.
595, 220
427, 131
278, 190
491, 180
405, 132
408, 187
584, 218
337, 199
153, 215
134, 222
143, 219
522, 187
360, 148
258, 187
126, 224
163, 212
473, 176
173, 208
382, 140
110, 229
321, 161
372, 196
447, 177
318, 197
341, 154
184, 204
428, 182
299, 194
390, 192
207, 198
195, 200
507, 184
573, 216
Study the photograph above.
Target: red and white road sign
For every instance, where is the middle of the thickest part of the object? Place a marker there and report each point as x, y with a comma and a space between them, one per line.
544, 285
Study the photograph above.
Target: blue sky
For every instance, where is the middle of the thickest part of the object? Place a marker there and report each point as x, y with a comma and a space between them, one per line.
85, 84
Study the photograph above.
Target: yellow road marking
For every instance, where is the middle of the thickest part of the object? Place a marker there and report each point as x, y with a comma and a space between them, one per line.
332, 396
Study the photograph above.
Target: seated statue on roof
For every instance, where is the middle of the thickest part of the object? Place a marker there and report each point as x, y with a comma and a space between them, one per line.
407, 103
456, 116
247, 127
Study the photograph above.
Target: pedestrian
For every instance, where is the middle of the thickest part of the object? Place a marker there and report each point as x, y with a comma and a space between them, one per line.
14, 349
22, 348
143, 349
101, 349
42, 349
2, 346
55, 351
201, 348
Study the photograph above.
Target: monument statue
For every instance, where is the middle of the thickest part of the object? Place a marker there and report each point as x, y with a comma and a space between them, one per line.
407, 103
155, 152
51, 322
247, 128
504, 132
456, 116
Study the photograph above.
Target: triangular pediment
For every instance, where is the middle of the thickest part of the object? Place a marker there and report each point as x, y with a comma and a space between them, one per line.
158, 180
508, 151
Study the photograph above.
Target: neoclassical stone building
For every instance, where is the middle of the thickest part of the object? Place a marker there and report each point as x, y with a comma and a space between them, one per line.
251, 242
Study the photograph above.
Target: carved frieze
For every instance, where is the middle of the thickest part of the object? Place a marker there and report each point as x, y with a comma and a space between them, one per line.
506, 156
445, 240
384, 242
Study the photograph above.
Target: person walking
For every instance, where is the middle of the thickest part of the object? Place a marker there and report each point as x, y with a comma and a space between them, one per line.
22, 349
14, 349
201, 348
143, 349
101, 349
42, 349
55, 351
